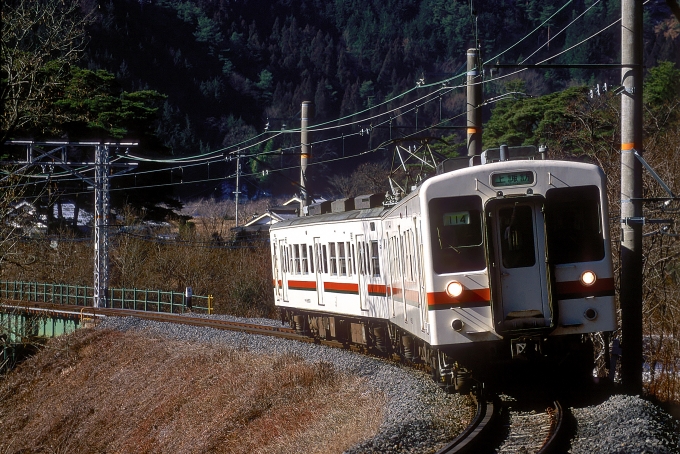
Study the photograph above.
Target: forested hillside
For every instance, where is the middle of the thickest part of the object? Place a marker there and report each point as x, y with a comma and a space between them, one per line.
228, 67
187, 77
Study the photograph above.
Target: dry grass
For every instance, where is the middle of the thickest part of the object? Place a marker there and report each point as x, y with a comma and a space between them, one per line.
239, 279
107, 391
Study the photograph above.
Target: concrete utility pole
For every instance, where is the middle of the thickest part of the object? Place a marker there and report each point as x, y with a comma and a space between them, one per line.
306, 153
630, 294
238, 184
474, 101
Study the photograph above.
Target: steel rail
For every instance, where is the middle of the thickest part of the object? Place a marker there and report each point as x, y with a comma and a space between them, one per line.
471, 438
557, 429
71, 311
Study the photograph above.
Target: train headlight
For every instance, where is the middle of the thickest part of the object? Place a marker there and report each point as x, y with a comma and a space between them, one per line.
454, 289
588, 278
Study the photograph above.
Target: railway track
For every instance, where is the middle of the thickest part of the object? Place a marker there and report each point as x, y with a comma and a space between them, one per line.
498, 428
538, 430
525, 432
470, 440
91, 314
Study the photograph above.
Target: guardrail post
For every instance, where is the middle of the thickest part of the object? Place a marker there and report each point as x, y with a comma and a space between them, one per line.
210, 304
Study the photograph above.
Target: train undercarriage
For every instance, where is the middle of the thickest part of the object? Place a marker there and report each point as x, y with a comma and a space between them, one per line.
562, 361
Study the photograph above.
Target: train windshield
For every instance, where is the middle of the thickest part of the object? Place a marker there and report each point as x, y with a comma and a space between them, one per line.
456, 232
573, 219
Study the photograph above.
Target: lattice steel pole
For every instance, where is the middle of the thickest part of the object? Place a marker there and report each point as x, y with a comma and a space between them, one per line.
102, 209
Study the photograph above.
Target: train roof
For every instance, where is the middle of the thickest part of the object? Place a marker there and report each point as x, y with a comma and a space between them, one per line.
371, 213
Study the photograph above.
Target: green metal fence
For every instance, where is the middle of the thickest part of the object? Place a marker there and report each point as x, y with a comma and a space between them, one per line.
119, 298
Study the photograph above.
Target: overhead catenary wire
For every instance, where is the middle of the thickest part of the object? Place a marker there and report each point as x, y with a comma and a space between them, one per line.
561, 31
282, 169
531, 32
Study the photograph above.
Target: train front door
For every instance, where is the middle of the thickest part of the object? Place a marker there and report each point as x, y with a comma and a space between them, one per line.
519, 271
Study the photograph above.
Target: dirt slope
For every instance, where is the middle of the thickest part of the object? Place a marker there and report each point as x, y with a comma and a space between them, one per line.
106, 391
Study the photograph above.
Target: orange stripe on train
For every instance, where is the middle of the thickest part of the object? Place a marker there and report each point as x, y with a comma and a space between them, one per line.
340, 287
302, 285
469, 298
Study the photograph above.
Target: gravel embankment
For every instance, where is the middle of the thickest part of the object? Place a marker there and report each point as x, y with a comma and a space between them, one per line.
419, 417
625, 424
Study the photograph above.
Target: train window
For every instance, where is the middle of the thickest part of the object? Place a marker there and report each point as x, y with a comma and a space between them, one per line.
517, 236
367, 259
404, 242
362, 258
349, 259
303, 259
400, 264
574, 225
324, 259
407, 256
284, 268
411, 256
311, 260
342, 260
395, 259
457, 234
296, 259
291, 267
354, 260
375, 259
333, 259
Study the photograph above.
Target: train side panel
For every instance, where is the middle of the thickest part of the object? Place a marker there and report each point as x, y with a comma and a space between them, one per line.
330, 267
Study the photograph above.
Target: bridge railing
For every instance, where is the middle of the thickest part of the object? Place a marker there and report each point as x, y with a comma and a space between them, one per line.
119, 298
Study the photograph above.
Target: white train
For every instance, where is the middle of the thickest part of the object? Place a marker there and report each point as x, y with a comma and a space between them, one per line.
478, 265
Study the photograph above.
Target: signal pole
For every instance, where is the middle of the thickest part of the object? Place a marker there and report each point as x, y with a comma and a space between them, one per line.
630, 295
474, 101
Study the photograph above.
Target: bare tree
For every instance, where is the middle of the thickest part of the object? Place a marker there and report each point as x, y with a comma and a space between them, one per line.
40, 39
368, 178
